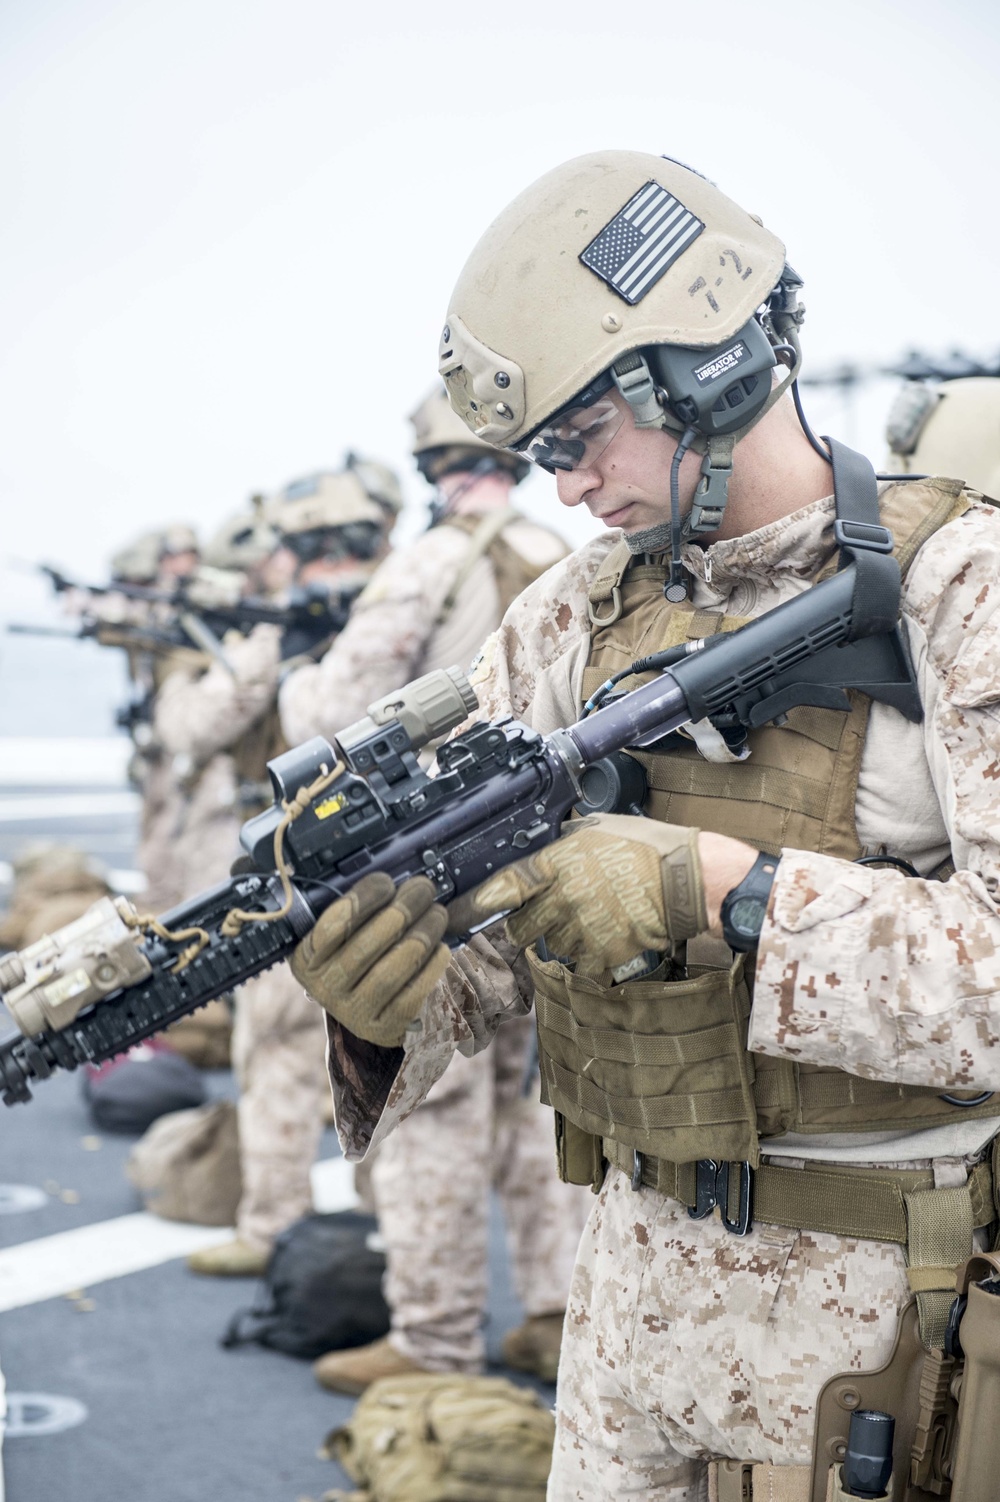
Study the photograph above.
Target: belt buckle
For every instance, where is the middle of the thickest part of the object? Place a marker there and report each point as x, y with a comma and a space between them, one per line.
712, 1181
705, 1188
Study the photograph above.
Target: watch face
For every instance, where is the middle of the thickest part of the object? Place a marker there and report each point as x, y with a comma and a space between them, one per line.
746, 915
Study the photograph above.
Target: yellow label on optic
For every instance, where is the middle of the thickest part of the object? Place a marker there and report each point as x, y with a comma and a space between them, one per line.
330, 806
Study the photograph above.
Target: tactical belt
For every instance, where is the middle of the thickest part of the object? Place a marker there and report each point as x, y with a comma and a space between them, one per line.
866, 1202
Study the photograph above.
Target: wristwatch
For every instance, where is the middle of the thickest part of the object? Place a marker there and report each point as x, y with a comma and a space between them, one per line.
745, 907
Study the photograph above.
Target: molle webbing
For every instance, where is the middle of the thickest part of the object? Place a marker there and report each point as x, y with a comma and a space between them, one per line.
798, 786
660, 1066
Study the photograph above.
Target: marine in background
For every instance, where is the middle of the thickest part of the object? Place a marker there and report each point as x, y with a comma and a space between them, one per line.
430, 605
948, 429
433, 601
325, 533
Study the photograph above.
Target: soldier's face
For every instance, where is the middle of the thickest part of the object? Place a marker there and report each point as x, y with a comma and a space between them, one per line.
178, 565
628, 484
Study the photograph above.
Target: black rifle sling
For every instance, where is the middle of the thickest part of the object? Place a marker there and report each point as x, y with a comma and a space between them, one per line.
864, 541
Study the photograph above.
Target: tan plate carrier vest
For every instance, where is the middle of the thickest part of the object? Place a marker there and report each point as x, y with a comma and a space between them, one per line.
655, 1074
513, 573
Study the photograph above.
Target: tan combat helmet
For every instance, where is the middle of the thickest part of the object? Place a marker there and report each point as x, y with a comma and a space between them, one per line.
325, 499
380, 482
442, 444
346, 514
244, 541
628, 270
138, 561
178, 538
952, 429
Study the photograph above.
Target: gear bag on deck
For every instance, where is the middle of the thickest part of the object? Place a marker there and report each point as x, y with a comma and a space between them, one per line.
427, 1437
322, 1290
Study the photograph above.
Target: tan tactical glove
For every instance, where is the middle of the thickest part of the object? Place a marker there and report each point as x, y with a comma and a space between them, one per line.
375, 955
610, 887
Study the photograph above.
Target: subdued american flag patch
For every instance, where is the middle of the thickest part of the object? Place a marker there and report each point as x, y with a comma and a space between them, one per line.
645, 238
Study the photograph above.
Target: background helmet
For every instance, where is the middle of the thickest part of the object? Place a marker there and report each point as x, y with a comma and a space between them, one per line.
138, 562
178, 538
379, 481
335, 514
442, 444
952, 429
244, 541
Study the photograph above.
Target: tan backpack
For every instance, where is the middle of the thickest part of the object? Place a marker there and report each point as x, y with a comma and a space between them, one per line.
187, 1165
431, 1438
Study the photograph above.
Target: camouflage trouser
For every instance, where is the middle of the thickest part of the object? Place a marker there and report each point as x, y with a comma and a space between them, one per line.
684, 1342
190, 835
279, 1055
431, 1181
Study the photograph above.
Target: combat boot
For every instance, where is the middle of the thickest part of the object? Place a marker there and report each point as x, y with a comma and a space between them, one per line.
534, 1346
230, 1259
352, 1371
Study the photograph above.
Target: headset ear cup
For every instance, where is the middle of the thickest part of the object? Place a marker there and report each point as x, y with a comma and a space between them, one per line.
718, 390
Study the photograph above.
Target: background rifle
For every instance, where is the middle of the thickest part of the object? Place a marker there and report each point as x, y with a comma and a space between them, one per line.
96, 987
159, 638
309, 616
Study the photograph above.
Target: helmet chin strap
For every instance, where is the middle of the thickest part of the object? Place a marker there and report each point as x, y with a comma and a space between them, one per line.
650, 407
712, 492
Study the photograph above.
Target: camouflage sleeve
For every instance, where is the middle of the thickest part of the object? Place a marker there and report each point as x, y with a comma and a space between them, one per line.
374, 1089
382, 645
892, 977
200, 714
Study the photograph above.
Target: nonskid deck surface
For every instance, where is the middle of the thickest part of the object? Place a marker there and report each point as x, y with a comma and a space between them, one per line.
109, 1346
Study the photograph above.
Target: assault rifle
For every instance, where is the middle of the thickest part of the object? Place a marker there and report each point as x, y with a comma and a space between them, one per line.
102, 984
189, 617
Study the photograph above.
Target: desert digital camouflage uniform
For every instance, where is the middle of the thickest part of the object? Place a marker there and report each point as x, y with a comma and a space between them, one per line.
278, 1043
478, 1126
431, 1179
395, 634
684, 1342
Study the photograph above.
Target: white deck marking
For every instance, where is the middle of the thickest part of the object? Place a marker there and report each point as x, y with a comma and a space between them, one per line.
61, 806
74, 760
54, 1266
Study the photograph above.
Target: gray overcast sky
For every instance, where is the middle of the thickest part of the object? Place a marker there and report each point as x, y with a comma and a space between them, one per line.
232, 228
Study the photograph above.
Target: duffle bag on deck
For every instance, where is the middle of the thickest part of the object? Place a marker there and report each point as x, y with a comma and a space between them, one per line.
322, 1290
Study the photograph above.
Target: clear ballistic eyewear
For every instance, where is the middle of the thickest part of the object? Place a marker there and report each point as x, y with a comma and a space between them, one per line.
575, 437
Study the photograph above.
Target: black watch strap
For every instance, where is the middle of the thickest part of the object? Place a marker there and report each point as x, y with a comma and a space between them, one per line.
745, 907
